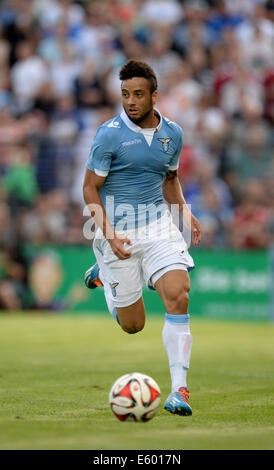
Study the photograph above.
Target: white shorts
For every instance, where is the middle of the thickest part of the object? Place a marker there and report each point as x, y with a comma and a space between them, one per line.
156, 248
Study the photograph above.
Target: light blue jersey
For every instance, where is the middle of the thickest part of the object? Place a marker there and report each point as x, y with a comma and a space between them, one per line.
135, 162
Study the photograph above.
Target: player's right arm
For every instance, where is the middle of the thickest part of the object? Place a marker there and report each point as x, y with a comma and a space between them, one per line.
98, 167
91, 187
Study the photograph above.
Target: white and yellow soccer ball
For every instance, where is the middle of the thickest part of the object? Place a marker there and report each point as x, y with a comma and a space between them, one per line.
135, 397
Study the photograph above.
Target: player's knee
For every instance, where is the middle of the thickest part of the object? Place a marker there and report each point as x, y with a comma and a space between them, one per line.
133, 327
183, 301
179, 303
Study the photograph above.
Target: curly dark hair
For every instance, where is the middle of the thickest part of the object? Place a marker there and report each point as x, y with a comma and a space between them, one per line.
136, 68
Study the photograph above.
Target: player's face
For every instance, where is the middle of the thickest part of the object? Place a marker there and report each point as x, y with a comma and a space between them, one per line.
137, 99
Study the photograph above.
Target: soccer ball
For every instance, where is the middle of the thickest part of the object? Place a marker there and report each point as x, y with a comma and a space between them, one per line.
135, 397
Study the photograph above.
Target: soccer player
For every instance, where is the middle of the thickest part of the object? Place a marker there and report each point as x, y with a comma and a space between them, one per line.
131, 171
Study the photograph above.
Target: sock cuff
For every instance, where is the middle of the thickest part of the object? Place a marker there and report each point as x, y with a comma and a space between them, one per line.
178, 319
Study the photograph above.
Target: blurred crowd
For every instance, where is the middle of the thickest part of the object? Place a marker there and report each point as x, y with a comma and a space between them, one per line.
59, 64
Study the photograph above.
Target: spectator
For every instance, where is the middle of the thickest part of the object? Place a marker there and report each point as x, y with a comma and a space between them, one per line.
49, 13
46, 221
64, 72
248, 229
161, 12
180, 102
269, 95
221, 19
19, 182
13, 278
64, 127
27, 75
56, 45
88, 89
161, 58
252, 159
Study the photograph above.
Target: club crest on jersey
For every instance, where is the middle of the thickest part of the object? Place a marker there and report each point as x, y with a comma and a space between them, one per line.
165, 143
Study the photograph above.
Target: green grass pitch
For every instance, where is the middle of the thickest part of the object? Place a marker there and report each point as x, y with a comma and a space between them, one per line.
56, 372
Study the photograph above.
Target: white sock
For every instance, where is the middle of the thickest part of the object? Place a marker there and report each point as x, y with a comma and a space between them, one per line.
177, 341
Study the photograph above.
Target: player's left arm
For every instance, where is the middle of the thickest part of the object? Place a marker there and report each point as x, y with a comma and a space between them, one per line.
173, 194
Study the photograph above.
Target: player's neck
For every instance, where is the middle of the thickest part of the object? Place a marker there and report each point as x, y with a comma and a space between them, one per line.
151, 120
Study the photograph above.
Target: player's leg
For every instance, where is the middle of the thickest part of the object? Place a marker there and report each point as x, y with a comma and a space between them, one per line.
173, 288
165, 265
94, 275
132, 318
122, 281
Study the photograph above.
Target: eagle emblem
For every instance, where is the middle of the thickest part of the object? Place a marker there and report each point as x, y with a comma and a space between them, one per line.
113, 286
165, 143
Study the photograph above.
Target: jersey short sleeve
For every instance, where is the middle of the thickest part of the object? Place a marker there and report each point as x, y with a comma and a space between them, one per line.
101, 152
174, 162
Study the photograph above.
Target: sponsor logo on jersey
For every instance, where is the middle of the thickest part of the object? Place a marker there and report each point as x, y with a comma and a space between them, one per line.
165, 143
132, 142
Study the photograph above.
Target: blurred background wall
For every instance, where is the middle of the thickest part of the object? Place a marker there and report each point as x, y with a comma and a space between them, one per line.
59, 64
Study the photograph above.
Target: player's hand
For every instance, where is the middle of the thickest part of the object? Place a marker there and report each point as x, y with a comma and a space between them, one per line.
196, 230
118, 248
